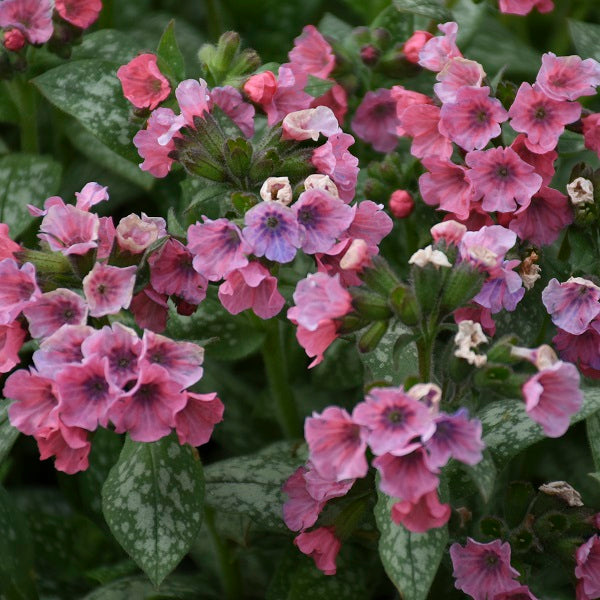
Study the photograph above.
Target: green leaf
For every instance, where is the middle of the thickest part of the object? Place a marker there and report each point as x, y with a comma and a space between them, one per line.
107, 44
204, 198
390, 362
8, 434
251, 485
410, 560
153, 501
465, 480
592, 424
317, 87
586, 37
367, 10
334, 28
90, 91
16, 553
426, 8
25, 179
508, 429
170, 59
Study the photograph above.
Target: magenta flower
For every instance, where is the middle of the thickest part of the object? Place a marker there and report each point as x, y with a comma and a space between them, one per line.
69, 230
193, 99
519, 593
421, 121
148, 410
568, 77
309, 124
108, 289
456, 436
289, 95
483, 570
91, 194
541, 118
542, 163
81, 13
524, 7
424, 514
407, 477
33, 18
36, 401
322, 219
502, 179
322, 545
334, 159
301, 510
150, 309
458, 72
172, 273
63, 347
143, 83
7, 246
473, 119
18, 289
230, 101
195, 422
376, 120
591, 132
54, 309
581, 350
314, 342
218, 248
70, 446
503, 290
572, 304
436, 53
543, 220
182, 360
86, 393
447, 186
253, 287
335, 444
391, 419
552, 395
312, 54
588, 567
12, 337
273, 231
321, 488
121, 346
371, 224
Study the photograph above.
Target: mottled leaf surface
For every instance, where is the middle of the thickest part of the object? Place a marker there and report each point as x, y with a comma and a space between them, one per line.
586, 37
8, 434
426, 8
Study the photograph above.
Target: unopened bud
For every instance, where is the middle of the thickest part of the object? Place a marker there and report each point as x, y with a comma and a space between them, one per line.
369, 55
414, 44
372, 336
14, 40
261, 87
321, 182
370, 305
429, 256
462, 285
580, 191
401, 204
404, 304
277, 189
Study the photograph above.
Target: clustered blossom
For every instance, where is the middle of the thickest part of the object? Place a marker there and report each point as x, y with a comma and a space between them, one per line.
411, 440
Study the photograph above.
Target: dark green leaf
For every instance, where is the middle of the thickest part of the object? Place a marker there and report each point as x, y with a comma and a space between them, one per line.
334, 28
170, 59
317, 87
586, 37
153, 501
107, 44
204, 198
592, 424
8, 434
426, 8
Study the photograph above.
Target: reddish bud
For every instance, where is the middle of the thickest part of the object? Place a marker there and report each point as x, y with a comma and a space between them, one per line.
413, 45
401, 204
14, 40
260, 88
369, 55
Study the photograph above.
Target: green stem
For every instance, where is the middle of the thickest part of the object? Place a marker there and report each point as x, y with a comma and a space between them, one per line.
275, 365
23, 95
229, 572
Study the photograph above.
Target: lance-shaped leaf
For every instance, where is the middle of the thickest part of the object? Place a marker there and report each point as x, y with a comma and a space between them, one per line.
153, 501
170, 59
426, 8
586, 37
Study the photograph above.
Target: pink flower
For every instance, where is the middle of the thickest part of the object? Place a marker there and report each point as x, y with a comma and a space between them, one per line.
450, 231
336, 99
253, 287
260, 88
523, 7
376, 120
147, 411
106, 238
543, 220
70, 446
312, 54
172, 273
542, 163
195, 422
36, 401
193, 99
54, 309
502, 179
503, 290
392, 419
272, 231
322, 545
473, 118
371, 224
483, 570
86, 393
135, 235
309, 124
33, 18
519, 593
181, 360
591, 132
322, 219
143, 83
407, 477
447, 186
572, 304
108, 289
334, 159
336, 447
91, 194
401, 204
414, 44
301, 510
63, 347
541, 118
424, 514
156, 154
458, 72
230, 101
486, 247
552, 395
12, 337
314, 342
289, 95
69, 230
150, 309
456, 436
321, 488
81, 13
18, 289
436, 53
421, 121
218, 248
588, 566
568, 77
7, 246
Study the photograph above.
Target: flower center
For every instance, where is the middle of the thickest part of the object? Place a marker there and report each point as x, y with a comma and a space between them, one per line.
502, 171
272, 222
540, 112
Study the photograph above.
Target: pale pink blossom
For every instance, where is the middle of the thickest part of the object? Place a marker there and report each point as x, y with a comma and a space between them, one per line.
63, 347
69, 230
591, 132
142, 82
457, 73
193, 99
542, 163
18, 289
7, 246
312, 54
33, 18
289, 95
436, 53
108, 289
334, 159
309, 124
449, 231
336, 98
568, 77
301, 510
91, 194
81, 13
54, 309
135, 235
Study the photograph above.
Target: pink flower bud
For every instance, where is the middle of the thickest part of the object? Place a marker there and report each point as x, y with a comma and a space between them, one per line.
260, 88
14, 40
135, 235
401, 204
413, 45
